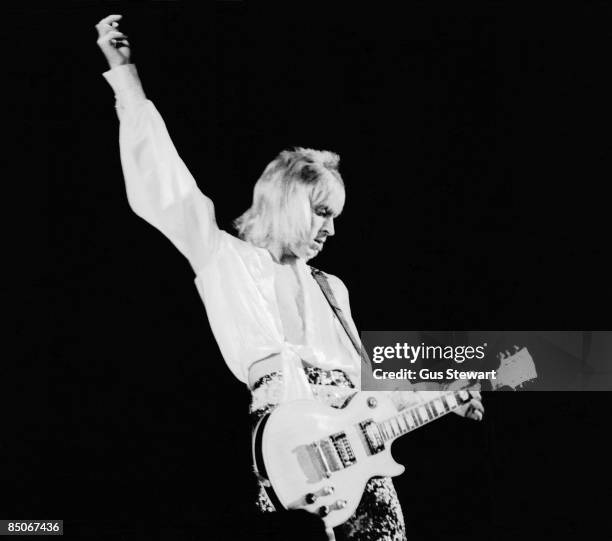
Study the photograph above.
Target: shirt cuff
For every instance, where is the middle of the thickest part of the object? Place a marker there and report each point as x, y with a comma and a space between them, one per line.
126, 84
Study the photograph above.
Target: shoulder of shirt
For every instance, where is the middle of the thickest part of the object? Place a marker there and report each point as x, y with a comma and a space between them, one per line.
230, 244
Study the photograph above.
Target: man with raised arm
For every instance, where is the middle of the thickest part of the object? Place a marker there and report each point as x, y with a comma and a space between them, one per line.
271, 319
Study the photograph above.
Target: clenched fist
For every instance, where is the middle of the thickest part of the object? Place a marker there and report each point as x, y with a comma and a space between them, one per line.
113, 43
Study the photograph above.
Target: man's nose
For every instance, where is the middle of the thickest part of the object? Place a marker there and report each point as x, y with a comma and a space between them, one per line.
329, 227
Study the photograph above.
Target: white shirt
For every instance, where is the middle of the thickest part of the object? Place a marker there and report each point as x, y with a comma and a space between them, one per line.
235, 279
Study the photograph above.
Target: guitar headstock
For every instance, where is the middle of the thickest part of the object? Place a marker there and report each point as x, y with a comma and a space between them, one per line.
515, 369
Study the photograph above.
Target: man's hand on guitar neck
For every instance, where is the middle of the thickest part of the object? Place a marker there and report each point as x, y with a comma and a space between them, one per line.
421, 392
474, 408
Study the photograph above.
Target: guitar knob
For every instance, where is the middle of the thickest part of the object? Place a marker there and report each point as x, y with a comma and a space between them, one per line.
372, 402
340, 504
310, 497
324, 510
328, 490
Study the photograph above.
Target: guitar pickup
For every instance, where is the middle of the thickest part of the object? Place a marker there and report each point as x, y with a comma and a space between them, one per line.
343, 448
373, 437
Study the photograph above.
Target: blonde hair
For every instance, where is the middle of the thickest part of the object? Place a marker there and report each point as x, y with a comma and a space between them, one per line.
291, 185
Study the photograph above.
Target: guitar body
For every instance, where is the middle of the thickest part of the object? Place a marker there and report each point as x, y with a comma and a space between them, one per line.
293, 450
315, 457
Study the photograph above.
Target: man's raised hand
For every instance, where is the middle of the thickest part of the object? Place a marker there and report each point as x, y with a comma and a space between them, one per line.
113, 43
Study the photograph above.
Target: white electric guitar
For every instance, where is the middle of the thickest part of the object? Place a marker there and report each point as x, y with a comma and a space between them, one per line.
312, 456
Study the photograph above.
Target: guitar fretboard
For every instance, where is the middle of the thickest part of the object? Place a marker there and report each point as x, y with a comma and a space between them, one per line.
416, 416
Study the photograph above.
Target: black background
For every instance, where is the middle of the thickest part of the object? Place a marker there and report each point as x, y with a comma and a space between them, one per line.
475, 146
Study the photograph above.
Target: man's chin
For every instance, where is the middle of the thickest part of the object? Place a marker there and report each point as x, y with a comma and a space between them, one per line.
311, 253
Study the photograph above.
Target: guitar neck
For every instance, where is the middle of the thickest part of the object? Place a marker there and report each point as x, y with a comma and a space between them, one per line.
410, 419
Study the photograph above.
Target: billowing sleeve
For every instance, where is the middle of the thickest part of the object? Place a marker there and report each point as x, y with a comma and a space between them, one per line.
160, 188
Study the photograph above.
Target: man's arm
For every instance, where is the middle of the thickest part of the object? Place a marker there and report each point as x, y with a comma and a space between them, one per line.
159, 186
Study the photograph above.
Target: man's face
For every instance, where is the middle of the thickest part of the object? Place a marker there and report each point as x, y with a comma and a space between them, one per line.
321, 227
322, 215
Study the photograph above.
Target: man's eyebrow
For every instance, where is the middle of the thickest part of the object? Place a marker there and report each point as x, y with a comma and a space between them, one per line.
326, 208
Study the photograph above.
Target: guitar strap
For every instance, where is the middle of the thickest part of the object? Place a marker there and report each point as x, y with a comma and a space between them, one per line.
321, 279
